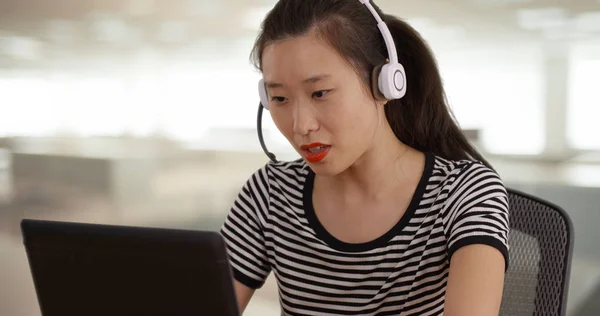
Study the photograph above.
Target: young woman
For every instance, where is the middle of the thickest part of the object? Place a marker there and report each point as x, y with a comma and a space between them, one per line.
390, 211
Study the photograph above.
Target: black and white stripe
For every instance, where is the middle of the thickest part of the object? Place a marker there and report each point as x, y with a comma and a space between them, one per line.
272, 227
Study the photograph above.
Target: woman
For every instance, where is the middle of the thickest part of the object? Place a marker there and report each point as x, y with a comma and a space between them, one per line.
390, 211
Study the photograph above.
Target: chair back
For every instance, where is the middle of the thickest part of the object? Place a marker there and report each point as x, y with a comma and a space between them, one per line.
541, 248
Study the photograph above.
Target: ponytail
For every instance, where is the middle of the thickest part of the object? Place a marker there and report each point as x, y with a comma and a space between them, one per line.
422, 119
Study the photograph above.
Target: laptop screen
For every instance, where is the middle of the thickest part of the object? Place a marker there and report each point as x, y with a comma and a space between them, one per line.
91, 269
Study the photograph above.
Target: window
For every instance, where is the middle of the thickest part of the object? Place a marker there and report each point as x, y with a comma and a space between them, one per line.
499, 92
584, 103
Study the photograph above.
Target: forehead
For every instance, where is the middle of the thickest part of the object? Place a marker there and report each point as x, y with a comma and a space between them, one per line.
300, 57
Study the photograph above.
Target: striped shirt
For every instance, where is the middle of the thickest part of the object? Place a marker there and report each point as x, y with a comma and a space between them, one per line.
272, 226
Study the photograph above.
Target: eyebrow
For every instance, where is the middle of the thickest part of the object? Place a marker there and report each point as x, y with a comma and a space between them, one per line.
311, 79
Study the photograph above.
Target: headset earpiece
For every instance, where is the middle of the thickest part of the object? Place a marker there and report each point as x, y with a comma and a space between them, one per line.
375, 83
392, 81
262, 93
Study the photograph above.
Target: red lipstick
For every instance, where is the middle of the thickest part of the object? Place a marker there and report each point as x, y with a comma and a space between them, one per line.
315, 152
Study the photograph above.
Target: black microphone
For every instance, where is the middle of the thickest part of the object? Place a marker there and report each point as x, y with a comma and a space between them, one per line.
260, 134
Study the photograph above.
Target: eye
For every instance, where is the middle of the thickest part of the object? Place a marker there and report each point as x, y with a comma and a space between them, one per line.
320, 94
278, 99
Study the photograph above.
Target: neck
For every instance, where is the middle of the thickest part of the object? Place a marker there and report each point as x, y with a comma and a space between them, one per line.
388, 166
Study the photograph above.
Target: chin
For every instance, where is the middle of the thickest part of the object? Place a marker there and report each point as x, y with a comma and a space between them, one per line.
324, 168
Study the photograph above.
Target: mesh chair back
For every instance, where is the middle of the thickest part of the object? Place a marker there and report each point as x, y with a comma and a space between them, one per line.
541, 246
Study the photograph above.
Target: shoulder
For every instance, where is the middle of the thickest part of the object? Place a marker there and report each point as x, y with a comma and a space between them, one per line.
465, 184
294, 168
288, 174
463, 178
476, 207
461, 168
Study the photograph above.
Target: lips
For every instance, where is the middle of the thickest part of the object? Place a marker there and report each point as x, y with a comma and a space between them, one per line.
315, 152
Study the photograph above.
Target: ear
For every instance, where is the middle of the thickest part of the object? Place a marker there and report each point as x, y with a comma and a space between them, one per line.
375, 85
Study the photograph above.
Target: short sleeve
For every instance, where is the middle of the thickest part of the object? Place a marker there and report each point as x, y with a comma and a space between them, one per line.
478, 211
243, 231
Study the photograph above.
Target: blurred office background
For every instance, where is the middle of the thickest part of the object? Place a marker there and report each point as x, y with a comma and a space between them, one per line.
143, 112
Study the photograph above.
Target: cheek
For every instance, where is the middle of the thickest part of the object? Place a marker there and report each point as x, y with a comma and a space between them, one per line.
283, 122
353, 127
355, 119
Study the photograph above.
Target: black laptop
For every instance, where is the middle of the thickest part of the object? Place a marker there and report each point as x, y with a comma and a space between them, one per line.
91, 269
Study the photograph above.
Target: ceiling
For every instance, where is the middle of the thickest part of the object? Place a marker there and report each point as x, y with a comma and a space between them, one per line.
511, 20
78, 24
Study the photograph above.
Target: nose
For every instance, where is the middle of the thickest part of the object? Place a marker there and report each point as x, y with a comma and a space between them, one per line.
304, 119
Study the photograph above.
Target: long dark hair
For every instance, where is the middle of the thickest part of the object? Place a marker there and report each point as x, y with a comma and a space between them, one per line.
422, 119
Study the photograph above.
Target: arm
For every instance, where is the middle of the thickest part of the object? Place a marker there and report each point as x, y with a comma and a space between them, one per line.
475, 282
243, 294
477, 231
243, 232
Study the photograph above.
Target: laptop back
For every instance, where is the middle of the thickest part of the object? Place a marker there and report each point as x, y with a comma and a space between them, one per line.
92, 269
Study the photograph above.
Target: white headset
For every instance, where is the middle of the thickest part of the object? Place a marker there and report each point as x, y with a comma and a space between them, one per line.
389, 78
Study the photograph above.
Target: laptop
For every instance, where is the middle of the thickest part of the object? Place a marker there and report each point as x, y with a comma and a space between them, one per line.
92, 269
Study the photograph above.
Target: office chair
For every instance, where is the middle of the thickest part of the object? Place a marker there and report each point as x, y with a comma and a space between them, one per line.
541, 248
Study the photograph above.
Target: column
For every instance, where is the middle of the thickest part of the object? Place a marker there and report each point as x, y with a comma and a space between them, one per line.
555, 81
